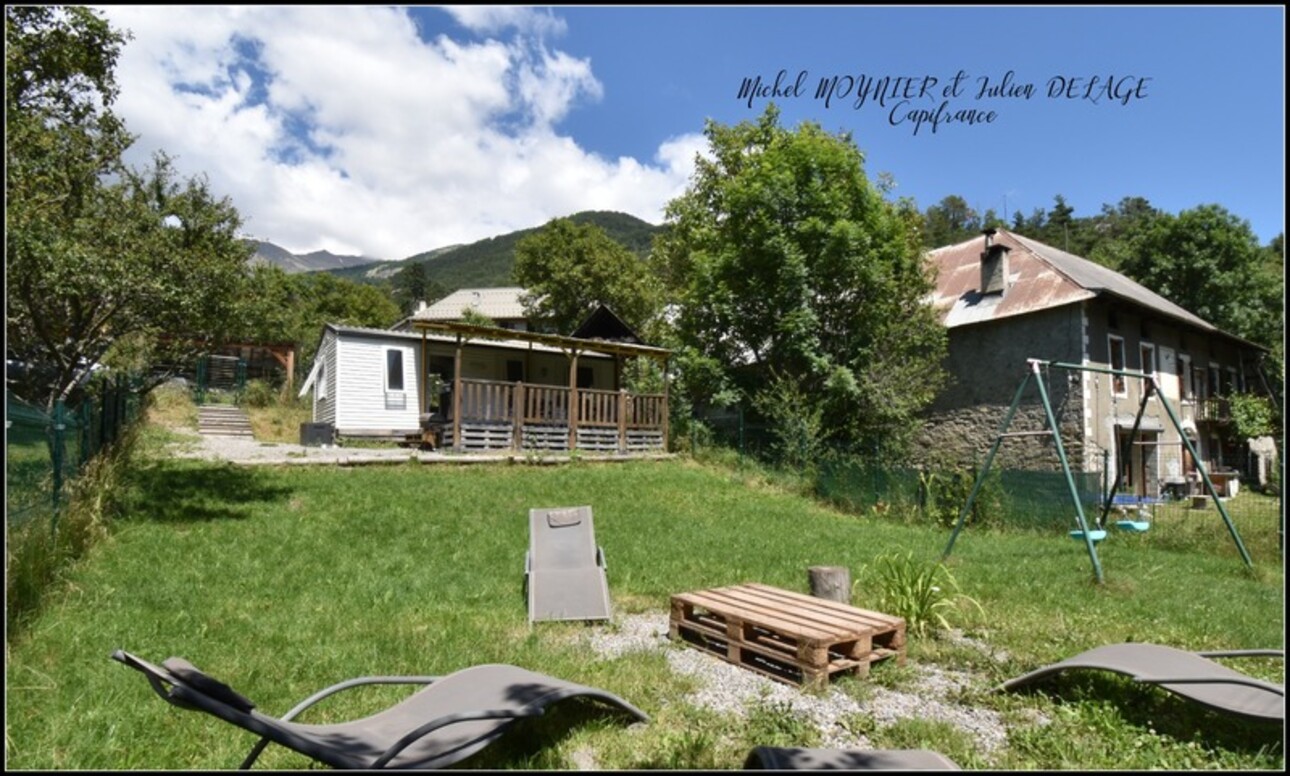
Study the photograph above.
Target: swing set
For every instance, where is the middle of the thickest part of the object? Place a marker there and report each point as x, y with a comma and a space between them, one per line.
1090, 536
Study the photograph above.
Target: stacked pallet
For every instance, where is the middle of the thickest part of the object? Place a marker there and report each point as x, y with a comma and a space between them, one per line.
786, 636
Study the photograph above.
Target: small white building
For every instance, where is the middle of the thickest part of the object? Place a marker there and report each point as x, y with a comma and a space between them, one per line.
533, 390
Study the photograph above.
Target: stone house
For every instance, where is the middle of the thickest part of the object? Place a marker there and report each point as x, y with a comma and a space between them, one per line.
1006, 298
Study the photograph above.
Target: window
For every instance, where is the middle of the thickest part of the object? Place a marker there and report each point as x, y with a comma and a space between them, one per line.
1199, 382
1117, 362
393, 370
1184, 377
1148, 358
1214, 388
585, 377
322, 380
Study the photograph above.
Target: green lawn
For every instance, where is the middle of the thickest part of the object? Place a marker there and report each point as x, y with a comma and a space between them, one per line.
281, 581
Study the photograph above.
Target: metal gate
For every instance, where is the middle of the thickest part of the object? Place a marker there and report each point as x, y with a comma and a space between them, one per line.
220, 376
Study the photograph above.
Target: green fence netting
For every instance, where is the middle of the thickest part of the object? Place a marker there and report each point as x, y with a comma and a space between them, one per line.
46, 450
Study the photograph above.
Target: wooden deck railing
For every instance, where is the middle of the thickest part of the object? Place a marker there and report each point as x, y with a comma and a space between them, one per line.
527, 404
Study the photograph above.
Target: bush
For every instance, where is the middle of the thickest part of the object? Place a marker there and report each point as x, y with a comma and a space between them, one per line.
943, 491
260, 393
921, 592
796, 422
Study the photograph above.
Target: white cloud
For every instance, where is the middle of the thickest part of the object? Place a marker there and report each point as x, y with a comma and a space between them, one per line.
489, 19
341, 129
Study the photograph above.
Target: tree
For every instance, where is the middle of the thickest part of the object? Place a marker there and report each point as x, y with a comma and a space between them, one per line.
104, 263
411, 285
949, 222
786, 262
1118, 227
569, 268
1208, 261
278, 307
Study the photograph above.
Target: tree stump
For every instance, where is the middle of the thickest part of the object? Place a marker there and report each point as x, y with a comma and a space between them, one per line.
832, 583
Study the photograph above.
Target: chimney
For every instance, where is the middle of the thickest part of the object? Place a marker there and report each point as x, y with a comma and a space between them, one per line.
994, 266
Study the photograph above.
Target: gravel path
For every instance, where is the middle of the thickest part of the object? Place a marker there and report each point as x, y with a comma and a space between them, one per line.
248, 451
730, 689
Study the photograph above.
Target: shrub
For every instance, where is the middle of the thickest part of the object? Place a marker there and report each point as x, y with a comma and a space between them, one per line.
943, 490
921, 592
259, 393
796, 423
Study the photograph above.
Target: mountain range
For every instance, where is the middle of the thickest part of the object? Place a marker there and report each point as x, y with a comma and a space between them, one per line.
481, 264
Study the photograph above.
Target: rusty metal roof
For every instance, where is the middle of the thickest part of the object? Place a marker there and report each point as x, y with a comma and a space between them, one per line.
1040, 277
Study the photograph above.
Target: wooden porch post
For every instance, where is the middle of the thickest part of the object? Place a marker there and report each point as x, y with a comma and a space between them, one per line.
573, 400
517, 412
456, 398
666, 410
423, 380
622, 420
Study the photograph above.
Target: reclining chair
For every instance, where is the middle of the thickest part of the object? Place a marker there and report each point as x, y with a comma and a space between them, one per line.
564, 569
1191, 675
788, 758
454, 717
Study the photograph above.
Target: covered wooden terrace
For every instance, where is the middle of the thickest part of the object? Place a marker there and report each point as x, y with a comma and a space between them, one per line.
491, 415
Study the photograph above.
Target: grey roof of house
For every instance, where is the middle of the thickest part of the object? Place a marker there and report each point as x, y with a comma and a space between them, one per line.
1041, 277
506, 344
1095, 277
500, 303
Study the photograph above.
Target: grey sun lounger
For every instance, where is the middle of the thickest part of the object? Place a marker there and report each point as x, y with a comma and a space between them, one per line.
454, 717
1191, 675
777, 758
564, 568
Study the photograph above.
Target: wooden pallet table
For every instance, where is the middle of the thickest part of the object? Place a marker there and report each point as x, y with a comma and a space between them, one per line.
790, 637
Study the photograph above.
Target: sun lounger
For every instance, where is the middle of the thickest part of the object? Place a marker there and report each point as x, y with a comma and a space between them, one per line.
776, 758
564, 569
1191, 675
452, 718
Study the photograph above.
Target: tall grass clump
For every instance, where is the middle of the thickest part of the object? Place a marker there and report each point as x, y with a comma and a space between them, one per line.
922, 592
275, 413
40, 550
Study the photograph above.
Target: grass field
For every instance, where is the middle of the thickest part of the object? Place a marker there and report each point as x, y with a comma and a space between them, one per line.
284, 580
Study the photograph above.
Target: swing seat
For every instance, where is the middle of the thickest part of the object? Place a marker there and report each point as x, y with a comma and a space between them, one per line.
1095, 535
1133, 526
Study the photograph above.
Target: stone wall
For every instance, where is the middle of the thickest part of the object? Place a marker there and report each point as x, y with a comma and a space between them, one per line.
987, 363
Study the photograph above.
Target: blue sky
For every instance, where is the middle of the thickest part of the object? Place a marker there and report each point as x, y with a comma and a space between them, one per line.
390, 131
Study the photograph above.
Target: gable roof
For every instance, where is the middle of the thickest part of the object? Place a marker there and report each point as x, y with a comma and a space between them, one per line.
502, 303
1041, 277
602, 324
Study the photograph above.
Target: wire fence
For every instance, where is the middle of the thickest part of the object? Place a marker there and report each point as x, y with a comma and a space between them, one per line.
866, 482
44, 451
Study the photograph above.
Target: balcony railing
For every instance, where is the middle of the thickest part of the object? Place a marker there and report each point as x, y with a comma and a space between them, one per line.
1213, 410
528, 409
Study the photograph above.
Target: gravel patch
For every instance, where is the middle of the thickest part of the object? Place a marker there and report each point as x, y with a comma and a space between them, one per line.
733, 690
247, 451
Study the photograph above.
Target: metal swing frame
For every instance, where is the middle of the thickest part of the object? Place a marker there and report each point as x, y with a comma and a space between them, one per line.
1149, 388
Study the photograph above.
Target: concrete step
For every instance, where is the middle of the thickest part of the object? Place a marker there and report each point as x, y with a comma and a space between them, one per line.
223, 421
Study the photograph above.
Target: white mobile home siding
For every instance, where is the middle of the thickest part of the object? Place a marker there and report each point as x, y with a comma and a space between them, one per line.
362, 403
325, 385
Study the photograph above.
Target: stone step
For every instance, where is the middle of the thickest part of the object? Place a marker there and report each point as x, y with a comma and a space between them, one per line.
223, 421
